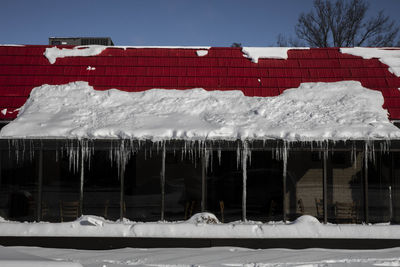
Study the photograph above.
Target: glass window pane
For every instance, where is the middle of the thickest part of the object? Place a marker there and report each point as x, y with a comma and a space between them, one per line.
182, 186
101, 191
142, 187
60, 186
224, 187
345, 195
304, 185
18, 185
379, 182
395, 189
264, 187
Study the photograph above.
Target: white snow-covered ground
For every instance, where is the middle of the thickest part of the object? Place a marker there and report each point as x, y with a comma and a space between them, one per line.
218, 256
201, 225
13, 258
314, 111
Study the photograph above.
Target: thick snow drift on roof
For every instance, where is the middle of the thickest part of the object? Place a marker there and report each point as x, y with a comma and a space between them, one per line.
52, 53
200, 227
388, 56
314, 111
254, 53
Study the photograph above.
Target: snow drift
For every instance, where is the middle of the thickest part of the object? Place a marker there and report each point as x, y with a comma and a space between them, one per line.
314, 111
203, 225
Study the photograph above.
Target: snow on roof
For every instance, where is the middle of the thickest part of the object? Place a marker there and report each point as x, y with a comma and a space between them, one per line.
202, 53
388, 56
12, 45
314, 111
254, 53
52, 53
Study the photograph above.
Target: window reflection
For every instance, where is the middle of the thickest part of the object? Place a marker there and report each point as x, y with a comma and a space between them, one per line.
101, 191
142, 187
60, 184
304, 185
18, 186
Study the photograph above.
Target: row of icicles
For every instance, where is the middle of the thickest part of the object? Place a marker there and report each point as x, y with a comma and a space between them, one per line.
120, 151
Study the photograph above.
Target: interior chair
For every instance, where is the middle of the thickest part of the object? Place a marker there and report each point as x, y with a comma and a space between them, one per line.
69, 210
345, 212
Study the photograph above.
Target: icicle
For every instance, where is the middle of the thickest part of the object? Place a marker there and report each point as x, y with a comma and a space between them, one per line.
366, 156
284, 157
32, 150
23, 149
237, 157
219, 156
249, 156
354, 155
206, 157
211, 156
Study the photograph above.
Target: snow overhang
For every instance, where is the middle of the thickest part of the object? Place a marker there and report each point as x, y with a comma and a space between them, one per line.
313, 112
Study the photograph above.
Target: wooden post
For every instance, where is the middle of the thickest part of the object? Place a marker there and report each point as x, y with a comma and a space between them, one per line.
365, 191
325, 186
82, 182
203, 180
390, 187
122, 193
162, 182
284, 178
40, 182
244, 189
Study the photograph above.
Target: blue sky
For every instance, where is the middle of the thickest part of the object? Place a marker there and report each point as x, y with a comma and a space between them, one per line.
159, 22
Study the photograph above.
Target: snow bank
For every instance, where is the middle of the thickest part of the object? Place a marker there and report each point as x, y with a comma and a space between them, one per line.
222, 257
314, 111
200, 226
254, 53
52, 53
387, 56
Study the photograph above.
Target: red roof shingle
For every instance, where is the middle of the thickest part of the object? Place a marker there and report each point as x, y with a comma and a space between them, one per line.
135, 69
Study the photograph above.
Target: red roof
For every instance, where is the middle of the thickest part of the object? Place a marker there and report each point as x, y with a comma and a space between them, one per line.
135, 69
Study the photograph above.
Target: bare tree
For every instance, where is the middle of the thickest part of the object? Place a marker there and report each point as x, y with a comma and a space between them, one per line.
344, 23
236, 45
284, 41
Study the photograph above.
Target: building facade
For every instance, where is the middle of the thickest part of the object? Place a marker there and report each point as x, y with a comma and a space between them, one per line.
58, 179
